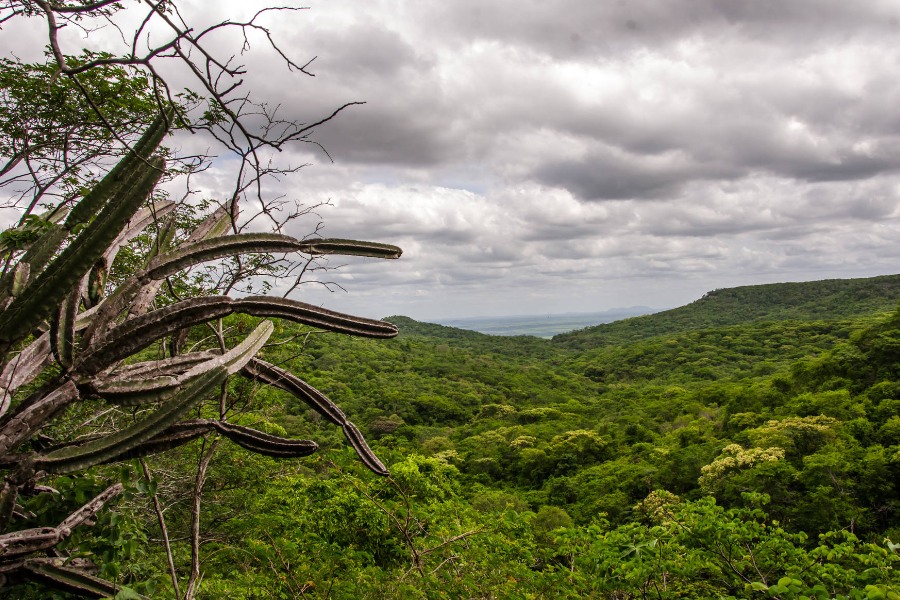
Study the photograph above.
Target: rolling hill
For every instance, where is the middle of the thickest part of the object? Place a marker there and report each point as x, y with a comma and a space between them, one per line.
825, 300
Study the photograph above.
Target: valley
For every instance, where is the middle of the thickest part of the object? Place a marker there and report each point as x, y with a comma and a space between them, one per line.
746, 445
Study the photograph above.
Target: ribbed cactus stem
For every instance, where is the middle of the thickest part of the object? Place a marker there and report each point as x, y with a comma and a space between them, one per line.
73, 580
140, 390
27, 541
270, 374
111, 184
351, 248
264, 372
32, 413
139, 332
173, 406
42, 296
62, 329
264, 443
315, 316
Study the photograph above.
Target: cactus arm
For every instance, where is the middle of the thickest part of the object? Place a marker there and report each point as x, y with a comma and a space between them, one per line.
108, 225
218, 247
308, 314
268, 373
140, 390
351, 248
191, 429
176, 435
264, 443
95, 200
181, 433
246, 437
365, 453
22, 369
173, 406
216, 224
142, 288
45, 292
168, 366
33, 412
71, 580
134, 392
137, 224
139, 332
62, 329
204, 245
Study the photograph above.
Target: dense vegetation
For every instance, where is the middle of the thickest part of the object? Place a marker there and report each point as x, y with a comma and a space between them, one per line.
772, 303
745, 459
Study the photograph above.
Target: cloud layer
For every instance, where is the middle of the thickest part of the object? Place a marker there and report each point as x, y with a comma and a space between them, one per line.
538, 159
535, 157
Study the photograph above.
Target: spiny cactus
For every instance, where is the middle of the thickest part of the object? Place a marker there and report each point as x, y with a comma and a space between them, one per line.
57, 326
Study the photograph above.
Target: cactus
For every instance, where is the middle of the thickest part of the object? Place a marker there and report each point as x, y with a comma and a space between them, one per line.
69, 579
61, 333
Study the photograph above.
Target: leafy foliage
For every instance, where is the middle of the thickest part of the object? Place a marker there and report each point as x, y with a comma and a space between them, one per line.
518, 470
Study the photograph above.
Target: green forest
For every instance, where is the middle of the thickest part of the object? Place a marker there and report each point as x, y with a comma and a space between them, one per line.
746, 445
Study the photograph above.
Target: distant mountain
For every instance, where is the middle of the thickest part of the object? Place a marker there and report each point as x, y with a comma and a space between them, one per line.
825, 300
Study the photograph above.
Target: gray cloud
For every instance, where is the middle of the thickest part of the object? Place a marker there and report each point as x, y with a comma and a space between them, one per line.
657, 95
605, 174
592, 28
536, 157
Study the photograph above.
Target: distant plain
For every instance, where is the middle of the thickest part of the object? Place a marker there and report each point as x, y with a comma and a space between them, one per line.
544, 326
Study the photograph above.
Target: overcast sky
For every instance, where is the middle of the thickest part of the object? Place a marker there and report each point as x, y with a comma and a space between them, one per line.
548, 157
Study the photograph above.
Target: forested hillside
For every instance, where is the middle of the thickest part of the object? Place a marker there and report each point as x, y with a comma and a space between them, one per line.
747, 445
831, 299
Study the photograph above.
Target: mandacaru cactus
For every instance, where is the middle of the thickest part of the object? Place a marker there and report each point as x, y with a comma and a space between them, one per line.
60, 334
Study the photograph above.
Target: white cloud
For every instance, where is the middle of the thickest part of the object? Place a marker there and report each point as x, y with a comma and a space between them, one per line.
531, 158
